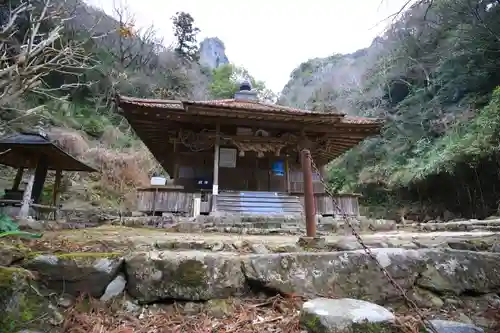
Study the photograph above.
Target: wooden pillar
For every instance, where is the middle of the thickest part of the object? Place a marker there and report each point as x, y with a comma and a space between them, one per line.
40, 176
176, 163
309, 206
17, 180
215, 183
55, 192
287, 173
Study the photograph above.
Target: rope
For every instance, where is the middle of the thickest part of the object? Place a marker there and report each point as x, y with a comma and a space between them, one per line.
425, 322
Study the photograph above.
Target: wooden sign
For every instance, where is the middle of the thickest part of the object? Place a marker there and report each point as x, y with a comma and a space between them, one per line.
227, 157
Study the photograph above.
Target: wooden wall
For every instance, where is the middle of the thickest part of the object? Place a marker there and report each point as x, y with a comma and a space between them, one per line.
250, 174
172, 201
324, 204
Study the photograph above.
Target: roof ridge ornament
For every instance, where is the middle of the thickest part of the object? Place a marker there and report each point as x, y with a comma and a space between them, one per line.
246, 93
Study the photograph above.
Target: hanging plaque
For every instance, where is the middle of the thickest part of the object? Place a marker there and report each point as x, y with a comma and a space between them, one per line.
227, 157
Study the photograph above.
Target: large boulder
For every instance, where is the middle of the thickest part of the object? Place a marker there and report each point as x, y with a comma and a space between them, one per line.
22, 305
76, 273
188, 275
354, 274
322, 315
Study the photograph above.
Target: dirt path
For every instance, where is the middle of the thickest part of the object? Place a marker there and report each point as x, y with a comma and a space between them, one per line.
113, 238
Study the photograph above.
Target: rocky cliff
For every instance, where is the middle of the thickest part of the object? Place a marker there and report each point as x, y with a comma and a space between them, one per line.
213, 53
436, 89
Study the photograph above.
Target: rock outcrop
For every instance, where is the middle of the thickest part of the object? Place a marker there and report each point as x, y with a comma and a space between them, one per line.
213, 53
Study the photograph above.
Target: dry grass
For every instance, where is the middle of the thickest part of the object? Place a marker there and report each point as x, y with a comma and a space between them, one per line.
277, 314
72, 142
121, 170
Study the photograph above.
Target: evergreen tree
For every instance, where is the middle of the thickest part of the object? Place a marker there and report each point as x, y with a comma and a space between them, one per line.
185, 32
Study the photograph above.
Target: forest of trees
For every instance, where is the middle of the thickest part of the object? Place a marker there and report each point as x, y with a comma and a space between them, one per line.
433, 77
62, 64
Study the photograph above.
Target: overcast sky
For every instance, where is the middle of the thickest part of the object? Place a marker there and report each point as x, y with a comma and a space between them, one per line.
271, 37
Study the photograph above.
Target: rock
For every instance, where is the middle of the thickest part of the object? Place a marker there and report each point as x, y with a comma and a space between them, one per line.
218, 308
114, 288
9, 254
322, 315
259, 248
314, 243
21, 302
457, 245
446, 326
65, 301
188, 275
456, 272
495, 248
425, 298
345, 245
355, 274
218, 246
131, 307
285, 248
76, 273
238, 244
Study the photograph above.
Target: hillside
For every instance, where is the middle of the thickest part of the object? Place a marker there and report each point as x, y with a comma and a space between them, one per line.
432, 76
79, 59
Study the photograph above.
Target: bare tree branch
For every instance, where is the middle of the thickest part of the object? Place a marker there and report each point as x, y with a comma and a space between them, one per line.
28, 54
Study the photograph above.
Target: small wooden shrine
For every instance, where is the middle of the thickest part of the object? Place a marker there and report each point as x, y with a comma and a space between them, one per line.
239, 146
35, 153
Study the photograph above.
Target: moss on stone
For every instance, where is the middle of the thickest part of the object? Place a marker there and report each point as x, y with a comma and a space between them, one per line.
90, 255
10, 275
19, 303
312, 322
191, 273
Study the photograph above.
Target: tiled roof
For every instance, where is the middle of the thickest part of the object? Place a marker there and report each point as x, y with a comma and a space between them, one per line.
242, 105
153, 103
256, 105
360, 120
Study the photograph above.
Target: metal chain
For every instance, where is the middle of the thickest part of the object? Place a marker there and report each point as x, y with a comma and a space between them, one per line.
427, 324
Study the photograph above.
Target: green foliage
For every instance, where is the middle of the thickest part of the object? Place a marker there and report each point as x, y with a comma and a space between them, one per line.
432, 78
226, 81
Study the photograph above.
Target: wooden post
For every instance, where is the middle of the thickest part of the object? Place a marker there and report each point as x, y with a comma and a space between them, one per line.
310, 209
17, 180
155, 196
55, 192
215, 183
40, 175
287, 174
25, 207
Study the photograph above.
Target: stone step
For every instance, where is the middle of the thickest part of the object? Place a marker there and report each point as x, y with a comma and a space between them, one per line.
258, 203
